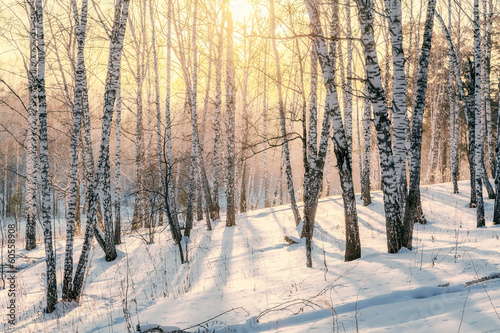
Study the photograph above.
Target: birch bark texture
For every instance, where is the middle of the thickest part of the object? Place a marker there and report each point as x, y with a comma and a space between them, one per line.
95, 183
413, 212
392, 204
80, 32
478, 145
230, 125
399, 92
332, 117
31, 135
217, 117
50, 259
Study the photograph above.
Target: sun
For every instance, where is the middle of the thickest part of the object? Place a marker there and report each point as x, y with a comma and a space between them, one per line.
240, 9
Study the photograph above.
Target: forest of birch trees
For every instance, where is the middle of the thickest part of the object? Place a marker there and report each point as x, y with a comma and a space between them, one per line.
145, 116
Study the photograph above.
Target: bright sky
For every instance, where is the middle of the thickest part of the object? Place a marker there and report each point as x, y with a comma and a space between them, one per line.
240, 9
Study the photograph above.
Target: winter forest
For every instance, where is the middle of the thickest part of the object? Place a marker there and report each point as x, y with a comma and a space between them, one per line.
249, 166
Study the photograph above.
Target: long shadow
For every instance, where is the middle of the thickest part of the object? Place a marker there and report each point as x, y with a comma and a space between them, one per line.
364, 223
189, 273
391, 298
223, 264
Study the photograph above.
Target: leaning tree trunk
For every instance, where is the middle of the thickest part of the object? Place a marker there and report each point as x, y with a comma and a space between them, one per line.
112, 79
157, 108
454, 115
468, 105
281, 109
413, 212
382, 125
169, 188
50, 259
80, 31
31, 137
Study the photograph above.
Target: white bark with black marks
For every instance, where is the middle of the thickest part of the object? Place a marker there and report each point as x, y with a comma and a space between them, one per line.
80, 31
50, 259
326, 57
392, 204
478, 145
230, 125
32, 136
96, 183
413, 211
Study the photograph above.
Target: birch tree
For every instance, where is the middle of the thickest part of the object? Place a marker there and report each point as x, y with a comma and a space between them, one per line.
118, 154
281, 109
468, 105
230, 123
80, 31
392, 203
50, 259
112, 78
326, 57
496, 209
367, 136
169, 186
400, 125
454, 116
478, 145
217, 116
413, 212
31, 135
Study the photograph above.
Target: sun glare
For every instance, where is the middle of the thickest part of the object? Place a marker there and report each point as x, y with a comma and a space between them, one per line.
240, 9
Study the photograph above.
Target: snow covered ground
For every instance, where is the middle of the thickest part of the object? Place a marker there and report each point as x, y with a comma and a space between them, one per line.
248, 279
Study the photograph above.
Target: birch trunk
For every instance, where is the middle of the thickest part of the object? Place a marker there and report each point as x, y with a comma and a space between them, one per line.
392, 204
488, 18
230, 125
80, 31
169, 189
348, 81
471, 124
112, 79
31, 136
265, 176
50, 259
454, 115
281, 109
118, 154
413, 211
468, 105
496, 210
333, 116
367, 136
399, 92
157, 108
192, 88
478, 145
217, 119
